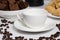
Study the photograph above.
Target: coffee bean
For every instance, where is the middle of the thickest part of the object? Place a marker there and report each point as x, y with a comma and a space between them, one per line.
58, 25
11, 34
56, 34
30, 39
4, 37
7, 26
3, 25
0, 25
1, 28
25, 39
4, 21
10, 22
47, 38
5, 29
1, 32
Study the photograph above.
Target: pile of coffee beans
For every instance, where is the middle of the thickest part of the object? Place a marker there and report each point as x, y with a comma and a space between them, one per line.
7, 35
10, 5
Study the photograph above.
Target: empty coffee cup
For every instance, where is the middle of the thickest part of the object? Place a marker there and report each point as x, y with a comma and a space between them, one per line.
33, 17
35, 2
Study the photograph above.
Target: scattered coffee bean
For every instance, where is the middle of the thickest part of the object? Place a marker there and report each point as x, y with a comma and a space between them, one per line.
41, 38
31, 39
1, 28
7, 26
47, 38
58, 39
3, 25
3, 20
25, 39
19, 38
57, 34
1, 32
10, 22
58, 25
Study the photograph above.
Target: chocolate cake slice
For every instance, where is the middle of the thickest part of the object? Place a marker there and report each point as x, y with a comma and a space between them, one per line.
11, 1
2, 6
14, 6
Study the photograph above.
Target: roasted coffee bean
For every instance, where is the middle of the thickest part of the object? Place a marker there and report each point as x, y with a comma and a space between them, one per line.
11, 34
19, 38
51, 38
22, 38
58, 25
0, 25
1, 32
25, 39
1, 28
4, 37
41, 38
7, 26
56, 34
47, 38
3, 20
31, 39
3, 25
54, 39
10, 22
5, 30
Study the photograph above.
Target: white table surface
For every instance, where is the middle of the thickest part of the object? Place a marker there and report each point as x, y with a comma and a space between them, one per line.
32, 35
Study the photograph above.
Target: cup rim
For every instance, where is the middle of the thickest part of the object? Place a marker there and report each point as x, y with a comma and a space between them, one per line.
34, 9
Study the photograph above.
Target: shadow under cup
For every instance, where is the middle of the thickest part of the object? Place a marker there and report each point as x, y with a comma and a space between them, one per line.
35, 2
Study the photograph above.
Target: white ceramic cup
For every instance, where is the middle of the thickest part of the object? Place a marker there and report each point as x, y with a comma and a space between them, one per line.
33, 17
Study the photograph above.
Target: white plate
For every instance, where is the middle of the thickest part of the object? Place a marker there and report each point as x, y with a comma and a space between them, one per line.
50, 15
50, 24
10, 14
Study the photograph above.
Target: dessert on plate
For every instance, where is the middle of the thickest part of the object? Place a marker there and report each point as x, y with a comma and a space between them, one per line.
54, 7
12, 5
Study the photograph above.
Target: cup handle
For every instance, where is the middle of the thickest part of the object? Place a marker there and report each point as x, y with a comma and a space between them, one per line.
20, 18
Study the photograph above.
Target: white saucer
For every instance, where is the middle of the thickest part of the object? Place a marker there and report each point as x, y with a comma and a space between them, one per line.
50, 24
50, 15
